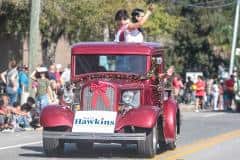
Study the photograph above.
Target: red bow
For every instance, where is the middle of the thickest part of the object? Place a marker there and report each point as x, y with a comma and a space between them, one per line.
99, 90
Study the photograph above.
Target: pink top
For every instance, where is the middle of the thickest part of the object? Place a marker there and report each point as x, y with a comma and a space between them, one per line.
177, 84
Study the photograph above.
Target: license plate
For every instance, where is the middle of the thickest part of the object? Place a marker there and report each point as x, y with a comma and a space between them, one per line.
94, 121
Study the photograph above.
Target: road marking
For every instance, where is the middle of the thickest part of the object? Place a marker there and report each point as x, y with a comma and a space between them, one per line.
20, 145
180, 152
212, 115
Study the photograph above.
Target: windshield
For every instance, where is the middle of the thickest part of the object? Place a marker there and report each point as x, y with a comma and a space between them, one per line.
110, 63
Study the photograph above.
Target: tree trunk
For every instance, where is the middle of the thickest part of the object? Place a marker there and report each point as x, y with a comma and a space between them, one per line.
48, 49
106, 33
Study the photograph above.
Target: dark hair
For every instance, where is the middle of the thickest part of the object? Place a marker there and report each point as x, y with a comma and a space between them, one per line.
37, 74
13, 63
200, 77
31, 100
121, 14
136, 12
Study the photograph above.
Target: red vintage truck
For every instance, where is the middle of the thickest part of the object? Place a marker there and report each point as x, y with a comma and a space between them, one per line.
118, 97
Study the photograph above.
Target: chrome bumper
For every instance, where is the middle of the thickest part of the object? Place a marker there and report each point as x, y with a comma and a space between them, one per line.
95, 137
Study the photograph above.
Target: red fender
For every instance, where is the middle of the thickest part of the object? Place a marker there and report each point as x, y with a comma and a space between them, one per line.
144, 117
56, 115
169, 119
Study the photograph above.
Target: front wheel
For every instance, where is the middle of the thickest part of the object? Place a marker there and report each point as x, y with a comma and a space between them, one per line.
52, 147
172, 144
148, 148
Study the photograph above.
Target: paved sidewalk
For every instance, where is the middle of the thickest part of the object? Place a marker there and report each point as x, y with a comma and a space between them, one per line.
186, 107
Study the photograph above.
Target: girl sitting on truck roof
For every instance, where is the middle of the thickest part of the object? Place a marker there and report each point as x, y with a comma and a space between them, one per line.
130, 31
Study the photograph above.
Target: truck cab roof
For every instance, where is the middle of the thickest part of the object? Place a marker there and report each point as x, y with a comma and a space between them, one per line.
145, 48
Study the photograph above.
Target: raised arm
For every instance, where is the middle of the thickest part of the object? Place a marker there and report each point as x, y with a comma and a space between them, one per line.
33, 75
132, 26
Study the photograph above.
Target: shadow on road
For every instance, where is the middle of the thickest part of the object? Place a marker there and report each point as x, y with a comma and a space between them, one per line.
36, 151
99, 151
33, 148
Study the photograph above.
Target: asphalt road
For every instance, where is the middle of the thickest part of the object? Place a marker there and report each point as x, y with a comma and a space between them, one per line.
207, 135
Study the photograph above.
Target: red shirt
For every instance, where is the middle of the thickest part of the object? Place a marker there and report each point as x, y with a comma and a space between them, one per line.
229, 84
58, 76
200, 88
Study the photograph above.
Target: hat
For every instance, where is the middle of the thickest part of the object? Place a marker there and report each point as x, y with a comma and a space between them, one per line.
42, 69
58, 66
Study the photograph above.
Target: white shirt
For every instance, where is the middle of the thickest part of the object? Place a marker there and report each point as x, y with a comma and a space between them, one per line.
66, 75
133, 36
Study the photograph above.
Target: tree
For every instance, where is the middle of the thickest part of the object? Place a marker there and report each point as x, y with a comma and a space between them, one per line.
202, 32
14, 18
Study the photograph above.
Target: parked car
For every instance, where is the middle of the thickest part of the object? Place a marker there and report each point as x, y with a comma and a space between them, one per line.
118, 98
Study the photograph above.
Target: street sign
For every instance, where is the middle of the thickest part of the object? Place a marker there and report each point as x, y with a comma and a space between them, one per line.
237, 51
193, 76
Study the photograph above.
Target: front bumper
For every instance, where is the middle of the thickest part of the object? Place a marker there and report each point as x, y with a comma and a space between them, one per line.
95, 137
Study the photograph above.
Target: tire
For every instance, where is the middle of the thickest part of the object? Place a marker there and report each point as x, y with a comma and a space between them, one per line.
172, 144
53, 147
148, 148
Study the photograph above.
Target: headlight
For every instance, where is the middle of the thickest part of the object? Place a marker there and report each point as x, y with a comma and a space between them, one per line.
131, 98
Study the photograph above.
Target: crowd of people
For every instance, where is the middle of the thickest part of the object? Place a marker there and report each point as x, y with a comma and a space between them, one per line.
212, 93
18, 110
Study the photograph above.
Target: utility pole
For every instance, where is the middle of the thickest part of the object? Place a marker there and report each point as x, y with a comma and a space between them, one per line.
234, 41
34, 38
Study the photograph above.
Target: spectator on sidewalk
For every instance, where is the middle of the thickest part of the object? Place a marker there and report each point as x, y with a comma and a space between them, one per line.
200, 93
29, 107
5, 116
209, 92
42, 87
23, 83
58, 73
189, 90
23, 78
68, 94
215, 94
221, 92
51, 72
229, 92
66, 75
23, 117
8, 115
53, 98
10, 78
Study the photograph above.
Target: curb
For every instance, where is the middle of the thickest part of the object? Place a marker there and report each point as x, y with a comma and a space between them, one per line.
187, 107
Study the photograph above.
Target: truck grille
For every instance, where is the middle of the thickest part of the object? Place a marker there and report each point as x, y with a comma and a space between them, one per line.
100, 105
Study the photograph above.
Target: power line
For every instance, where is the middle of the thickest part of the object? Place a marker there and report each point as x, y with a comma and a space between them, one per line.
212, 7
208, 4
